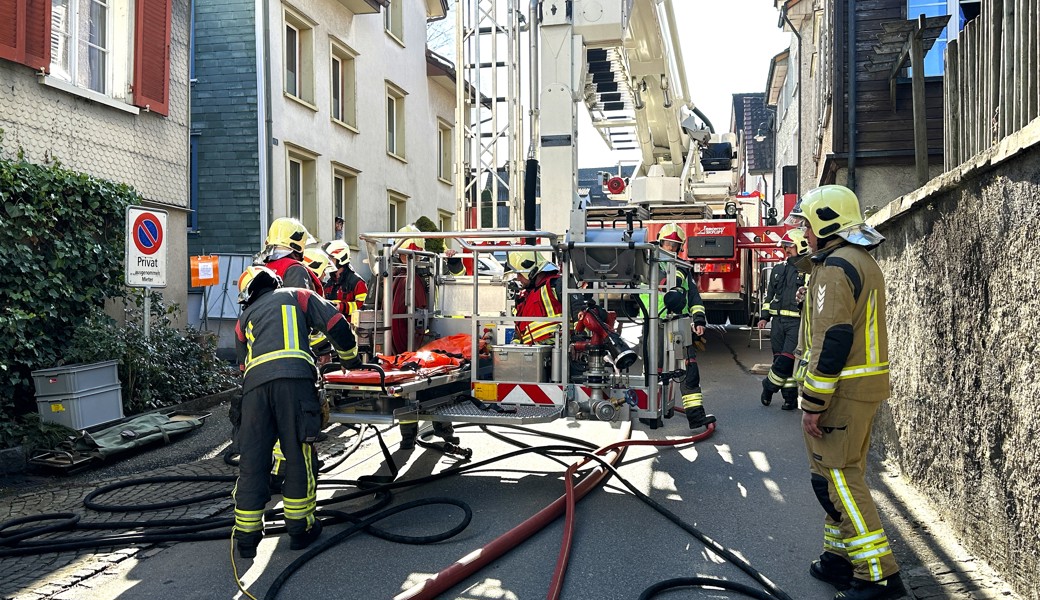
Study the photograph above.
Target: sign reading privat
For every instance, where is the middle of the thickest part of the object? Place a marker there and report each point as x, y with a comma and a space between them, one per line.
145, 247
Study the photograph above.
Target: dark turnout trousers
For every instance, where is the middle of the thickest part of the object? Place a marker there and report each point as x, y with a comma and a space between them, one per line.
287, 411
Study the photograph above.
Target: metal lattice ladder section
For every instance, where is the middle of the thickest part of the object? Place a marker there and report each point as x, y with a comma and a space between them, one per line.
489, 124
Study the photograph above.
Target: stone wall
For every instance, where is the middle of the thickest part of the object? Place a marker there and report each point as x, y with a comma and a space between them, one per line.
964, 296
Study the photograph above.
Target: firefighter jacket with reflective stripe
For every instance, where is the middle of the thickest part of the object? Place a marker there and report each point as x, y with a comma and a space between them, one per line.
844, 330
295, 275
694, 305
541, 299
349, 290
272, 335
783, 286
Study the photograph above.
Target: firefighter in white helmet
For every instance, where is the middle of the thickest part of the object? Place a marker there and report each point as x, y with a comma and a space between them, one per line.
782, 307
682, 298
845, 340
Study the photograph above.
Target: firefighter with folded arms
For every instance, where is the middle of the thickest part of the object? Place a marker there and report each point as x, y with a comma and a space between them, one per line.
346, 288
683, 298
783, 308
845, 340
539, 296
280, 402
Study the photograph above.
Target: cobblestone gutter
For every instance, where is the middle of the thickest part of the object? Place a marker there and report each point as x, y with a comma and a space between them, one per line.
961, 263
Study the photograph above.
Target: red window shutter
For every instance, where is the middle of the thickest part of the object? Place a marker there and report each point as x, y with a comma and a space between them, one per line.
38, 34
12, 30
152, 55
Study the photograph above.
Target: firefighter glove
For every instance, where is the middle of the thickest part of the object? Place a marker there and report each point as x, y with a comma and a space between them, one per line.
675, 301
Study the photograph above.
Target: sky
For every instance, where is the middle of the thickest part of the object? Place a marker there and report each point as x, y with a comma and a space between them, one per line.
727, 46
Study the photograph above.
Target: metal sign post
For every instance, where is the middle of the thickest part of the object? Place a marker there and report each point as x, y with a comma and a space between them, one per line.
146, 254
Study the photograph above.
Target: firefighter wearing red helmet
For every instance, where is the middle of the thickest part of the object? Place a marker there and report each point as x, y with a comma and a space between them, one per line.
846, 377
683, 298
280, 402
782, 308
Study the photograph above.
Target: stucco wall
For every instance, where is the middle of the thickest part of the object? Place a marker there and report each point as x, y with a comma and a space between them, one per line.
147, 151
961, 267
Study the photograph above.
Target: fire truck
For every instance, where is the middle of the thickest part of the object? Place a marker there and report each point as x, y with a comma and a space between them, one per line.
621, 60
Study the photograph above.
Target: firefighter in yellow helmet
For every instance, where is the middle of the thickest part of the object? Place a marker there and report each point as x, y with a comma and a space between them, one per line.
539, 296
782, 306
682, 298
283, 253
280, 401
845, 339
320, 265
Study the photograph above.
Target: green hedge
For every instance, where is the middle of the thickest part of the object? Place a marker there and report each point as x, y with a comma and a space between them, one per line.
61, 253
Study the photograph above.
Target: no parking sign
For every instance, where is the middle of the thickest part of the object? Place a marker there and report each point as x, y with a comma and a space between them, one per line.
145, 247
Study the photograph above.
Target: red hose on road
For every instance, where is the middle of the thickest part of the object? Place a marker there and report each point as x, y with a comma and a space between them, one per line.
556, 586
473, 562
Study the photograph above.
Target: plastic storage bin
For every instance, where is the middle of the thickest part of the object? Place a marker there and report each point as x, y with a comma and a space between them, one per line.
80, 411
75, 379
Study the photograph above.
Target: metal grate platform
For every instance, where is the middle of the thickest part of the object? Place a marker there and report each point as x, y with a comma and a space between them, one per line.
525, 414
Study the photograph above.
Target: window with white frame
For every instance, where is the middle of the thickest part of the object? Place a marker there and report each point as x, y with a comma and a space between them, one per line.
343, 85
444, 219
90, 44
962, 11
344, 200
393, 20
298, 56
398, 210
395, 120
301, 195
445, 151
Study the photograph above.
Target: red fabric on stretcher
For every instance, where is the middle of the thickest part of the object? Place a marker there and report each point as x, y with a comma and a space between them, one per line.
360, 377
432, 359
460, 343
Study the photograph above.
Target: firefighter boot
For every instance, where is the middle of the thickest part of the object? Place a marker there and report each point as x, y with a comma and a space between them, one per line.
300, 541
409, 431
247, 543
790, 396
695, 415
767, 393
832, 569
887, 589
446, 432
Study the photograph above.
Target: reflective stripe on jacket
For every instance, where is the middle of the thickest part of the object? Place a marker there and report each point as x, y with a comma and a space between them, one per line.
540, 300
844, 328
783, 286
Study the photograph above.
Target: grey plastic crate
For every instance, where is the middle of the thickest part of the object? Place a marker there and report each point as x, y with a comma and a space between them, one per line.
80, 411
75, 379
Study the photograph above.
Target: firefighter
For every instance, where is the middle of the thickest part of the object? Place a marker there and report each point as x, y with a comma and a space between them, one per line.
320, 265
346, 288
286, 240
539, 296
782, 307
399, 329
280, 402
846, 379
683, 299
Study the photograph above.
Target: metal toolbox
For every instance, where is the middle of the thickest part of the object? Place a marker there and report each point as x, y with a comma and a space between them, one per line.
514, 362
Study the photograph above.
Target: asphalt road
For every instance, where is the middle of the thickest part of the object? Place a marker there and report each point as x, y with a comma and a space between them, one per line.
746, 487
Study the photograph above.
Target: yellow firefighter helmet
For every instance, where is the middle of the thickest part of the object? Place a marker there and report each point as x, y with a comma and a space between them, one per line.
254, 279
318, 262
834, 210
411, 243
672, 233
525, 262
339, 251
796, 238
289, 233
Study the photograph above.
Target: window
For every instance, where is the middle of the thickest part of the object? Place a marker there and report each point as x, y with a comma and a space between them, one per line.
80, 42
444, 222
398, 210
962, 11
445, 154
344, 200
299, 57
343, 85
393, 20
395, 120
301, 195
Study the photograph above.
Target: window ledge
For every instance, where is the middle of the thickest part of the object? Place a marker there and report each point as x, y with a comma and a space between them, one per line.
345, 125
394, 37
445, 181
87, 94
300, 101
400, 158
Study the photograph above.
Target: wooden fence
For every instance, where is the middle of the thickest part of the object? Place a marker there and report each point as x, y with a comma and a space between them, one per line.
992, 86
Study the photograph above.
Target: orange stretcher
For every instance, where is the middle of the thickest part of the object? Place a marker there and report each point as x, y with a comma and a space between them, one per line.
439, 357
